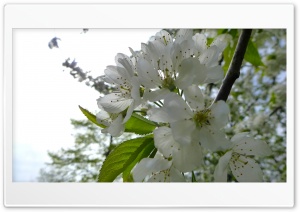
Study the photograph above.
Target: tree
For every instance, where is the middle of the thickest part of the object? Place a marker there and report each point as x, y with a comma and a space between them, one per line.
173, 94
81, 162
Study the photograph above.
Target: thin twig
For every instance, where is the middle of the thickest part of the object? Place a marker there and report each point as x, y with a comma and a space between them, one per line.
234, 69
275, 110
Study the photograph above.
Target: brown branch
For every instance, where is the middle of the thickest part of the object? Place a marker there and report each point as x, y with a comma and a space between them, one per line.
275, 110
234, 69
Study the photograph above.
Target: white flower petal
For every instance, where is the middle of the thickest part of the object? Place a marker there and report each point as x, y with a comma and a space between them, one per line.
116, 128
176, 176
220, 113
214, 74
160, 177
187, 47
134, 54
210, 56
194, 97
155, 95
150, 56
148, 76
164, 36
147, 166
135, 90
221, 41
127, 64
103, 117
183, 34
187, 157
164, 141
129, 112
183, 131
246, 145
176, 53
176, 108
169, 175
114, 102
200, 42
220, 174
213, 139
158, 115
113, 76
190, 72
157, 48
239, 136
245, 169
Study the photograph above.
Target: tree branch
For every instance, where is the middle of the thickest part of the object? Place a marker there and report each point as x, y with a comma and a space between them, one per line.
234, 69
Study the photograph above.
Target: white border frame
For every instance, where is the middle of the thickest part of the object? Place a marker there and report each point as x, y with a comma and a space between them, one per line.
136, 194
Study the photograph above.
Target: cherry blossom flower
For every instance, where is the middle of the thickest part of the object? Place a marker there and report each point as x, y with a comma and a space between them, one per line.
239, 159
184, 157
157, 169
113, 122
127, 96
166, 64
192, 122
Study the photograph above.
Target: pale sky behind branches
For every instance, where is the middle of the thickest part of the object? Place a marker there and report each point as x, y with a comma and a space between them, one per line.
45, 97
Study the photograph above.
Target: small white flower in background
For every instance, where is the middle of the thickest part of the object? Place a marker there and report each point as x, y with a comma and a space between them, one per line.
239, 159
193, 122
279, 90
157, 169
258, 121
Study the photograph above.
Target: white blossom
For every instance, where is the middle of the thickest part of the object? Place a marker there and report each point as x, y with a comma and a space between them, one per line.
113, 122
239, 159
166, 64
126, 98
184, 157
193, 122
157, 169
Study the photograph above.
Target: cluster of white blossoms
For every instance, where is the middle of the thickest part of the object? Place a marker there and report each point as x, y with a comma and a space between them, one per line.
167, 73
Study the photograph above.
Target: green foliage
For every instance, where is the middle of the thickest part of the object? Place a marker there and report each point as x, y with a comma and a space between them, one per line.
136, 124
252, 56
139, 125
228, 54
124, 156
146, 152
193, 177
91, 117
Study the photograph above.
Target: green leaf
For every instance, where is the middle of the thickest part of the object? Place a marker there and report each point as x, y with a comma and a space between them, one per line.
273, 99
221, 31
193, 177
209, 41
228, 54
252, 56
233, 33
136, 124
90, 116
139, 125
122, 157
143, 154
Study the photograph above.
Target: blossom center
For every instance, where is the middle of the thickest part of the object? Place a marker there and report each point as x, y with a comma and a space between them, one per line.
168, 83
237, 157
167, 80
202, 117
